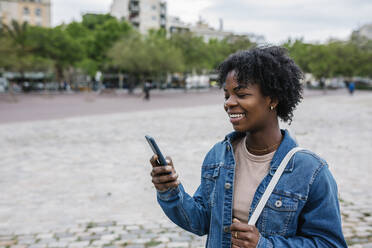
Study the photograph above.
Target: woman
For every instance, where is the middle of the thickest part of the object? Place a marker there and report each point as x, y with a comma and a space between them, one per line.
260, 85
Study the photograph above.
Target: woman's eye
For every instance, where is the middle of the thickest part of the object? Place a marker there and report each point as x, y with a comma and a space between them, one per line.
242, 95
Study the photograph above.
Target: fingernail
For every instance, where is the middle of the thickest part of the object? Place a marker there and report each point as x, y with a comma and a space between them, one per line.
235, 220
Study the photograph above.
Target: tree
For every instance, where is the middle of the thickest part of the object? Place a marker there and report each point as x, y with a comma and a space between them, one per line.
85, 37
300, 52
238, 43
165, 57
16, 48
194, 51
97, 34
17, 52
146, 56
217, 52
58, 46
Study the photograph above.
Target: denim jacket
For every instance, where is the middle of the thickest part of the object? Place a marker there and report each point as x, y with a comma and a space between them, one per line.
302, 211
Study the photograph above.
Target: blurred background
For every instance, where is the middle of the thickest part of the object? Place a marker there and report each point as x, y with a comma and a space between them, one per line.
82, 82
102, 45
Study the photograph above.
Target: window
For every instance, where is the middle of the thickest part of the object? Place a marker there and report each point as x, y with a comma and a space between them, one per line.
154, 18
153, 7
38, 12
26, 11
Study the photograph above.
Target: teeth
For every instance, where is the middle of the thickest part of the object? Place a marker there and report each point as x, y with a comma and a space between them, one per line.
236, 115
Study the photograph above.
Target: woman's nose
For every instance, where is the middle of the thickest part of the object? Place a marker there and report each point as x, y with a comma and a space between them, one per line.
230, 102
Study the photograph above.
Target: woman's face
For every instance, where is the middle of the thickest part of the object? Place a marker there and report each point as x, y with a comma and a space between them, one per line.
247, 108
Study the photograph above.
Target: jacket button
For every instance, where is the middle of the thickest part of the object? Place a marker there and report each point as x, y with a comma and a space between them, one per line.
278, 203
226, 229
228, 147
227, 185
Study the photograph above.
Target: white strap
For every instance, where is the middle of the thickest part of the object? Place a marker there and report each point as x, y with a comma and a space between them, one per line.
261, 204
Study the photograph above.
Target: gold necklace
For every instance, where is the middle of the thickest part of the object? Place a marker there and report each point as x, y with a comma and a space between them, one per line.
265, 149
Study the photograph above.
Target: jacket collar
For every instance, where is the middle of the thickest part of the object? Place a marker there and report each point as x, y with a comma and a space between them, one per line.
287, 144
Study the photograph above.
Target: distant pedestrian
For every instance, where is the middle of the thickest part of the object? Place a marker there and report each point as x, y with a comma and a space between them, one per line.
351, 88
323, 85
146, 89
260, 85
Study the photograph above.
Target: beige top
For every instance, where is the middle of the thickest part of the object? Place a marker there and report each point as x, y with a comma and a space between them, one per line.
250, 170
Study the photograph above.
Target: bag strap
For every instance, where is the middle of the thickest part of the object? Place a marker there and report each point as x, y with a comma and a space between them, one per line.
261, 204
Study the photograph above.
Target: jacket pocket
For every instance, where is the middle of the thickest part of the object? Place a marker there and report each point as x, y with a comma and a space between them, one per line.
209, 178
277, 216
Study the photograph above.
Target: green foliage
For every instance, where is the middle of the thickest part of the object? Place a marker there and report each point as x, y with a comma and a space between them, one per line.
335, 58
17, 52
58, 46
97, 34
103, 43
151, 55
163, 56
220, 50
300, 52
92, 21
194, 51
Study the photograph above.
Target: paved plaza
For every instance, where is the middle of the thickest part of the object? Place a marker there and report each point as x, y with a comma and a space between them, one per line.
83, 181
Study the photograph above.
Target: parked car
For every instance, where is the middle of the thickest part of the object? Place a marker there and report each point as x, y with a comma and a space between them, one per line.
3, 84
51, 86
26, 86
39, 86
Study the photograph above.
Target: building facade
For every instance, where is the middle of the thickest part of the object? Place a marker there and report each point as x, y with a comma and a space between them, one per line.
175, 25
142, 14
365, 31
35, 12
202, 29
152, 14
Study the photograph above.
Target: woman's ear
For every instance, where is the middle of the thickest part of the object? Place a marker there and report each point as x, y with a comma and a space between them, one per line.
272, 102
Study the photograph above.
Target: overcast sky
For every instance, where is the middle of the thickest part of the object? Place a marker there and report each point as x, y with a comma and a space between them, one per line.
276, 20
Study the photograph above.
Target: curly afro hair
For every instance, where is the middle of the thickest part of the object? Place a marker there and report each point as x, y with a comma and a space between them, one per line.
273, 70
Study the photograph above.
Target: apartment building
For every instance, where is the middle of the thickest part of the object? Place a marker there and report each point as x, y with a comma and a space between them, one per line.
202, 29
365, 31
143, 14
35, 12
176, 25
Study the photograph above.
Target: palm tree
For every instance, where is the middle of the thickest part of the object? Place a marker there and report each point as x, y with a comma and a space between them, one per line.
18, 35
18, 51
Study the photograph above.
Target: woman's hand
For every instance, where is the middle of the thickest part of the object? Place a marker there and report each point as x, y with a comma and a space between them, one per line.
244, 235
163, 177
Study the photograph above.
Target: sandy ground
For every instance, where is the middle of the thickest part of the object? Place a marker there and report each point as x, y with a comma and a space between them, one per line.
56, 173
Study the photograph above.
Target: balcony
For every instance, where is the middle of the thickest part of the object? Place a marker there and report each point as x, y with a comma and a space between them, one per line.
134, 8
163, 11
135, 19
163, 21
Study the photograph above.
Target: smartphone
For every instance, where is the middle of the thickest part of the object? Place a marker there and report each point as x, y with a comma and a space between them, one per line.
156, 150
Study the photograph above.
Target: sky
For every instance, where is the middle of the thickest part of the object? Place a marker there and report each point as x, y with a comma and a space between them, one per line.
276, 20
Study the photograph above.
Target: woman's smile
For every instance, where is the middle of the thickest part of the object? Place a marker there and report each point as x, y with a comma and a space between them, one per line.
236, 117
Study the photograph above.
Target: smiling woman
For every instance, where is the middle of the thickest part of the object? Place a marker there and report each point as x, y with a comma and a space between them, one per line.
261, 85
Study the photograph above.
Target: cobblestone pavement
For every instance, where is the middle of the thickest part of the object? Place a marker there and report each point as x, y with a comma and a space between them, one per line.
111, 234
84, 181
108, 234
